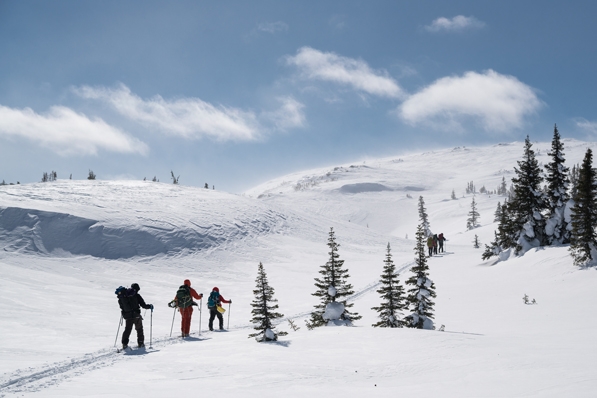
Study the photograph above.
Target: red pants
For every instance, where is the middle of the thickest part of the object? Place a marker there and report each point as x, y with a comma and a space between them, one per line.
186, 314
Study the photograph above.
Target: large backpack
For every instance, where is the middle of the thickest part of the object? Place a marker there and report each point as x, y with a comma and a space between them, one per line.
183, 297
214, 298
127, 299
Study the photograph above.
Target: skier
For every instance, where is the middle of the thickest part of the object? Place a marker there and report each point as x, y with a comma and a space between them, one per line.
430, 245
129, 304
184, 302
440, 239
435, 244
213, 302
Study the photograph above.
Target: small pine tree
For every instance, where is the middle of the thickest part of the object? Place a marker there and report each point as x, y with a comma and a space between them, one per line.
424, 218
91, 175
45, 177
154, 179
392, 295
264, 313
206, 186
583, 239
556, 228
573, 176
332, 287
453, 195
476, 243
498, 213
422, 290
503, 189
473, 216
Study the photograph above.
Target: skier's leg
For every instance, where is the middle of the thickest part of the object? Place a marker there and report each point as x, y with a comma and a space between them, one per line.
128, 328
221, 320
212, 315
139, 329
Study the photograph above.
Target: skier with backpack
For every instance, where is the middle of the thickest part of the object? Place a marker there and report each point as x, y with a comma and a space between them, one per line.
440, 239
214, 301
130, 302
184, 302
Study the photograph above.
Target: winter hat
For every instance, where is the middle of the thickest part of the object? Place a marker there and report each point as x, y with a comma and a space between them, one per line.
136, 286
187, 282
215, 289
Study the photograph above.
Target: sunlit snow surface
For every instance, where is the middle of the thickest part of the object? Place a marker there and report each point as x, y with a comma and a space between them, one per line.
65, 246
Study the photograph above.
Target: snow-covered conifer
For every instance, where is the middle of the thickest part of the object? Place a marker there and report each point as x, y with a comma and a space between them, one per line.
583, 239
556, 227
503, 189
392, 295
573, 177
422, 288
264, 312
453, 196
473, 216
332, 287
424, 218
498, 213
476, 242
526, 206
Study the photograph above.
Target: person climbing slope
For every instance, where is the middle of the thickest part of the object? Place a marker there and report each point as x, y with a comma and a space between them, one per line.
430, 245
184, 302
129, 302
213, 302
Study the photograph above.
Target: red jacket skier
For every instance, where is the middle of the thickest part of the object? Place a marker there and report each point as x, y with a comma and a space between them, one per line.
186, 311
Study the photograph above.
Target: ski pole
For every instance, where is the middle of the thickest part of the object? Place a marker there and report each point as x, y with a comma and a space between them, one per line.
229, 305
118, 331
200, 313
151, 328
172, 327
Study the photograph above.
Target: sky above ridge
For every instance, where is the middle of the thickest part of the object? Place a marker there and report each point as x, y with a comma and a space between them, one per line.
234, 93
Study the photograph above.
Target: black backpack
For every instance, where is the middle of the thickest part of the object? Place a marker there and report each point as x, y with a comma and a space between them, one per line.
127, 299
183, 297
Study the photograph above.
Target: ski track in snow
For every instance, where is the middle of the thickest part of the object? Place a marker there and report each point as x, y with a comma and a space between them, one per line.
37, 378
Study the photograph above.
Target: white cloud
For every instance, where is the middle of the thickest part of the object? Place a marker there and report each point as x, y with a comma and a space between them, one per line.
459, 22
497, 102
588, 126
314, 64
289, 115
272, 27
66, 132
186, 117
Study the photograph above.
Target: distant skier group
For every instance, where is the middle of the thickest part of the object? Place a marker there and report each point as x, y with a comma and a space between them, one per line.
131, 302
435, 244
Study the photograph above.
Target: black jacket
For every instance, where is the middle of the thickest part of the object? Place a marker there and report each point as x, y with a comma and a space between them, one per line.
130, 306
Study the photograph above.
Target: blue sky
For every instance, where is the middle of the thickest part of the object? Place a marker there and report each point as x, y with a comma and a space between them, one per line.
234, 93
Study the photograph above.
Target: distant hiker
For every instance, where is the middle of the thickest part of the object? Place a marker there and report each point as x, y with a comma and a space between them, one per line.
129, 301
184, 302
435, 244
213, 302
430, 245
440, 240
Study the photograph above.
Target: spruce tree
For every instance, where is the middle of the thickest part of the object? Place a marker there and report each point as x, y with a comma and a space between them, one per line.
422, 288
424, 218
392, 295
583, 239
573, 176
264, 312
473, 216
526, 206
332, 287
498, 213
556, 228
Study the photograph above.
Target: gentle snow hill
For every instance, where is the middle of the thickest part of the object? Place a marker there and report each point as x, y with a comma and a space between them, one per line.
66, 245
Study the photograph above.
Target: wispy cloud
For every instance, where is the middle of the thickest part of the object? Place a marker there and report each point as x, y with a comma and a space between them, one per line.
586, 125
272, 27
186, 117
290, 115
458, 23
355, 73
193, 118
67, 132
337, 21
496, 102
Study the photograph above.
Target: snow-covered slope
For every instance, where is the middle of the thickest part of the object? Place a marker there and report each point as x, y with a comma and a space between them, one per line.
66, 245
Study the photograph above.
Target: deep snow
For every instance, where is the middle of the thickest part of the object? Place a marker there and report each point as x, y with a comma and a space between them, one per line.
65, 246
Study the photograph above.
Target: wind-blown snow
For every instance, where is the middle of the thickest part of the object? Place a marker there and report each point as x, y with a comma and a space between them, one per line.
65, 246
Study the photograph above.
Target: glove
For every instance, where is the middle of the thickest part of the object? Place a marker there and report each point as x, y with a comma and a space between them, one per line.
151, 307
229, 301
200, 296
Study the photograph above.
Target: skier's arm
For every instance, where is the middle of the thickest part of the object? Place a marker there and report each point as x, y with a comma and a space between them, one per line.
223, 300
195, 295
142, 302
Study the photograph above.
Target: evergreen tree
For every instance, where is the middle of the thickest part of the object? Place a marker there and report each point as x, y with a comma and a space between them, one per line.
332, 287
473, 216
263, 310
503, 189
526, 206
476, 242
422, 288
453, 197
583, 240
392, 295
573, 176
498, 213
556, 230
424, 218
